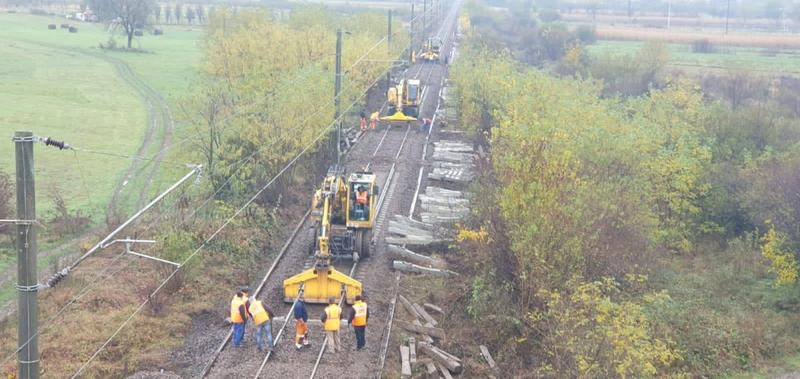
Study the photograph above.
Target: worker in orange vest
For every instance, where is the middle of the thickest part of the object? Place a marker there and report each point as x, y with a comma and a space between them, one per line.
300, 326
331, 319
262, 319
363, 120
373, 119
358, 319
239, 305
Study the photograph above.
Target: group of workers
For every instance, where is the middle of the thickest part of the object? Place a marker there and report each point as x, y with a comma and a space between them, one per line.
244, 307
374, 117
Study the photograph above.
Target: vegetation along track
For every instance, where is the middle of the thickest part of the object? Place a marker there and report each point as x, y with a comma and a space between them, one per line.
391, 155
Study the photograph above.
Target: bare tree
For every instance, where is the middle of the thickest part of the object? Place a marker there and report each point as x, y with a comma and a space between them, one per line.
157, 13
168, 14
201, 13
190, 14
127, 15
178, 13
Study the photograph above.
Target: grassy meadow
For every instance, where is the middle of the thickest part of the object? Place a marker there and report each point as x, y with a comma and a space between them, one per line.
724, 57
62, 85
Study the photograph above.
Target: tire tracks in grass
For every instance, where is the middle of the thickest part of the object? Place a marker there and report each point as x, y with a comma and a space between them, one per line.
159, 121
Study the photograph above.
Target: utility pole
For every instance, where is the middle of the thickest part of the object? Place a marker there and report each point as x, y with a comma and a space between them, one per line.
27, 281
411, 34
669, 13
424, 17
337, 91
727, 16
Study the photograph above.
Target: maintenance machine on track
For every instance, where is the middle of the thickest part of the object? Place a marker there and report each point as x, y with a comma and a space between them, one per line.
404, 100
431, 50
343, 212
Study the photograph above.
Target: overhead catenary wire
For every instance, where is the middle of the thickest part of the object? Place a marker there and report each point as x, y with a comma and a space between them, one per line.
322, 133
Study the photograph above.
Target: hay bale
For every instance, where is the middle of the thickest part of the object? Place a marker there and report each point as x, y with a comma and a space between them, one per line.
51, 27
138, 33
64, 26
158, 31
73, 29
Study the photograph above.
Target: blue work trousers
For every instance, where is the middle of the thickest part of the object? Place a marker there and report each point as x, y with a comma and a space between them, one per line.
238, 334
265, 329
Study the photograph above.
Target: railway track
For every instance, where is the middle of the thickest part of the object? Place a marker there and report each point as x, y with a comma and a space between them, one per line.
384, 154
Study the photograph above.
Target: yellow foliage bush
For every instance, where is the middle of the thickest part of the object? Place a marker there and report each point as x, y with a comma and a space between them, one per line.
587, 334
783, 262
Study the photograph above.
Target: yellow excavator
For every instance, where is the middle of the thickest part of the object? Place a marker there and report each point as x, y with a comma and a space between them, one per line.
431, 50
343, 213
403, 100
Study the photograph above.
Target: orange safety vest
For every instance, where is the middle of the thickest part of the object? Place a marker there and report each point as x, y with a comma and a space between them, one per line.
360, 318
258, 312
236, 318
361, 197
333, 313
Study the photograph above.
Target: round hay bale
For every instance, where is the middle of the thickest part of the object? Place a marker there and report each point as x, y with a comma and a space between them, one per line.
64, 26
158, 31
51, 27
138, 33
73, 29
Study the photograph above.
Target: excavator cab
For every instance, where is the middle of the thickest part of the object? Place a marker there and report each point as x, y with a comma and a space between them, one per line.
403, 100
343, 214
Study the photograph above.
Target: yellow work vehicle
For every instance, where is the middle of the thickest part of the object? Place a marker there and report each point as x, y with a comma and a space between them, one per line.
403, 100
430, 52
343, 213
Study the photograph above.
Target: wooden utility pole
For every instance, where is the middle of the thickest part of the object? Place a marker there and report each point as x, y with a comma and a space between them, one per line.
389, 32
727, 16
411, 35
27, 282
337, 91
424, 17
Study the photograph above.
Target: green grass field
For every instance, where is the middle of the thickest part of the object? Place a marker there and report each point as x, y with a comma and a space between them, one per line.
62, 85
738, 58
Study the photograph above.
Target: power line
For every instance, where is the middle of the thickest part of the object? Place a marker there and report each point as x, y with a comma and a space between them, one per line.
218, 230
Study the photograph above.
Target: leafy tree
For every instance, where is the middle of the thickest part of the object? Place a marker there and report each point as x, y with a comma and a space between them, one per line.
783, 262
590, 335
127, 15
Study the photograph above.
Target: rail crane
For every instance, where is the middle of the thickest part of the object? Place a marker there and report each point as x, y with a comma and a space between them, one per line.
404, 99
343, 213
431, 50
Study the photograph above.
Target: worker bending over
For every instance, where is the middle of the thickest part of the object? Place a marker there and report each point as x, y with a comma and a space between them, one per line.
300, 324
358, 319
239, 315
262, 319
331, 319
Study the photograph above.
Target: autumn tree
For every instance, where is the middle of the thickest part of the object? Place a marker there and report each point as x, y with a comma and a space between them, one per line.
125, 15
